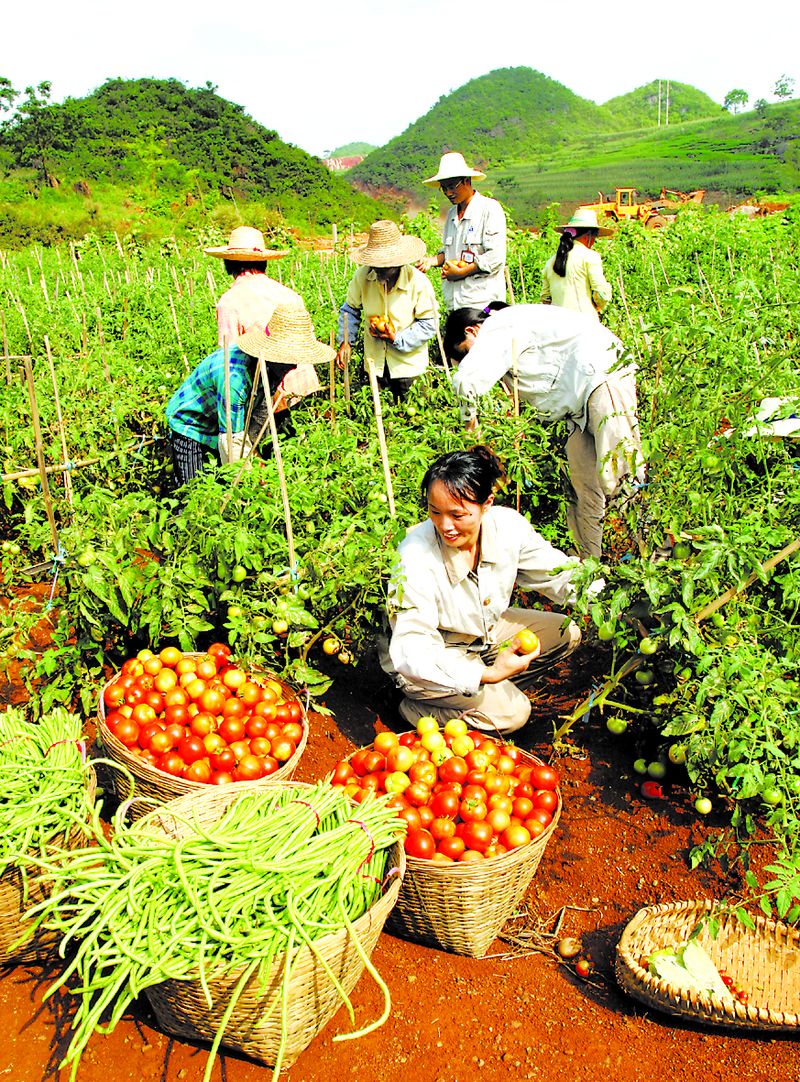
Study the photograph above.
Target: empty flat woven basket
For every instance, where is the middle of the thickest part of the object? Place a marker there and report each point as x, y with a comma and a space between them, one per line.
763, 961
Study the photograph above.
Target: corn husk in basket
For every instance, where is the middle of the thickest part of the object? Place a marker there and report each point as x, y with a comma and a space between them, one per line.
763, 962
158, 787
15, 901
255, 1024
462, 907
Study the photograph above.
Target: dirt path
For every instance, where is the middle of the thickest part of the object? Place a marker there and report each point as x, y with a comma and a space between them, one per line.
458, 1019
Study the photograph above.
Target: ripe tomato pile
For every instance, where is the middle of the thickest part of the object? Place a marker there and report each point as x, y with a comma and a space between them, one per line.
464, 795
202, 718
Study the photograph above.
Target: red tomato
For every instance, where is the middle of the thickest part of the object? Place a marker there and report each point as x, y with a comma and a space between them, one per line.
490, 748
199, 770
191, 748
505, 764
212, 700
514, 836
282, 713
220, 651
501, 802
374, 761
423, 773
133, 667
472, 810
342, 773
221, 777
477, 835
114, 695
358, 762
240, 748
442, 828
473, 793
161, 742
176, 732
477, 760
255, 726
417, 794
171, 763
498, 820
202, 724
523, 789
293, 731
260, 746
249, 768
522, 807
546, 799
420, 844
454, 769
175, 697
534, 827
265, 710
412, 817
231, 728
127, 732
283, 749
544, 817
146, 733
251, 693
143, 714
496, 783
426, 815
407, 739
206, 668
451, 847
543, 777
445, 803
469, 855
295, 711
213, 743
233, 708
269, 764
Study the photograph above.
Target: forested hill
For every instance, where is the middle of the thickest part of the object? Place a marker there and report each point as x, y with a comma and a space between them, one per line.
509, 114
160, 140
679, 102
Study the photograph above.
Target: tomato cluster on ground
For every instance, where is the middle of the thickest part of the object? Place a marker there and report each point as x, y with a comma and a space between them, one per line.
464, 795
201, 717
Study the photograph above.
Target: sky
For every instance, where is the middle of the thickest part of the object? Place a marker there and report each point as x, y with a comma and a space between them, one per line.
324, 74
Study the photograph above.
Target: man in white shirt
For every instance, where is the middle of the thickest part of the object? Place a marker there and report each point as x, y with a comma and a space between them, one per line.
473, 251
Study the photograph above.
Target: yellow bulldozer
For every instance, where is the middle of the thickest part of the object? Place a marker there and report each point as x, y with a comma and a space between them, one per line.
650, 212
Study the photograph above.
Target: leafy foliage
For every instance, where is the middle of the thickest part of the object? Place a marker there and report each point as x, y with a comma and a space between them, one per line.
639, 108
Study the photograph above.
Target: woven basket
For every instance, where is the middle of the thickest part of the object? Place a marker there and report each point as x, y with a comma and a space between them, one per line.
158, 786
763, 962
181, 1007
14, 903
462, 907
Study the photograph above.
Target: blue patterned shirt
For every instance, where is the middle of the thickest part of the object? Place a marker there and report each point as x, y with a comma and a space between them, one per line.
197, 409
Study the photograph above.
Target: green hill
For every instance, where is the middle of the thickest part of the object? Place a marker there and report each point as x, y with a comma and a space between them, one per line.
639, 108
150, 154
509, 114
351, 150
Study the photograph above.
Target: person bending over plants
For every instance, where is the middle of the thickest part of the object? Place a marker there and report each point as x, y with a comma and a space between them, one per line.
197, 413
570, 367
456, 646
399, 304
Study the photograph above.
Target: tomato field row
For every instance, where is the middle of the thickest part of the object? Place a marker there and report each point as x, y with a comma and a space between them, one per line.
698, 621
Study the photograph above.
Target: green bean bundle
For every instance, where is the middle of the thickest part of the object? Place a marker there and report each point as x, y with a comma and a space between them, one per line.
188, 892
43, 791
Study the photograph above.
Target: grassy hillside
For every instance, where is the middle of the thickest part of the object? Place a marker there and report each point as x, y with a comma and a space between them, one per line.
352, 150
511, 114
731, 156
639, 108
152, 155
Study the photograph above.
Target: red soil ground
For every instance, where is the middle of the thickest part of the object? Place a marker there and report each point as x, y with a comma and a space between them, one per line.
457, 1019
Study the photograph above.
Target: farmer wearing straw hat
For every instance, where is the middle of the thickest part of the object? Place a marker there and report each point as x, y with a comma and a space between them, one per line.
473, 251
254, 296
399, 304
197, 412
569, 367
573, 277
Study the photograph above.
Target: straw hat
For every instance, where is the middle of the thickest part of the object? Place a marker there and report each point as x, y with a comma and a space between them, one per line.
585, 218
246, 245
387, 247
453, 165
290, 339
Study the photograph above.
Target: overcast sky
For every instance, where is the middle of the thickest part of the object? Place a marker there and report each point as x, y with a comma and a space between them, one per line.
323, 74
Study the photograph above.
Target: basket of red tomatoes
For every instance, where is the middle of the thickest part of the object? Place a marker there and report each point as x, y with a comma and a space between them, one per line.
178, 722
479, 815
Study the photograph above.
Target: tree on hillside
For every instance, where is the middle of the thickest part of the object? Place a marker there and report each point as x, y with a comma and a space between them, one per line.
736, 99
7, 95
784, 87
37, 98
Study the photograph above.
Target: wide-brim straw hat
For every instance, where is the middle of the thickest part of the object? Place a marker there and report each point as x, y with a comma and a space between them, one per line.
246, 245
452, 165
586, 218
387, 247
290, 339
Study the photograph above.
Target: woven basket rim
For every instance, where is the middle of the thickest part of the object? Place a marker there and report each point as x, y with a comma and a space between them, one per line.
656, 991
147, 773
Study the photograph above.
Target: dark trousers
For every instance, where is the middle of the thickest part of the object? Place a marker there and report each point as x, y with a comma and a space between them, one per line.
190, 456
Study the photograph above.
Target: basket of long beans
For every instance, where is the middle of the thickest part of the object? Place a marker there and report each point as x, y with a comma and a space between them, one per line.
245, 915
46, 794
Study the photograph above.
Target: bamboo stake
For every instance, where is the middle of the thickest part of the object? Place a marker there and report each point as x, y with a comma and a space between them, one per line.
25, 321
332, 381
42, 469
515, 390
279, 464
178, 333
347, 360
655, 286
227, 363
522, 280
84, 335
705, 281
628, 314
5, 348
509, 286
19, 474
376, 399
60, 420
723, 599
445, 362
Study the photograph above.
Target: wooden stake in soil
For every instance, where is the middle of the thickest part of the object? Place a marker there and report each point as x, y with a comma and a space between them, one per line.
5, 348
178, 333
509, 286
227, 363
332, 381
376, 399
522, 281
60, 419
441, 351
37, 433
276, 449
346, 360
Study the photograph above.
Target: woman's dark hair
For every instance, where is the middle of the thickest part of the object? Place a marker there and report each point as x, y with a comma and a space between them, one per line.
235, 267
568, 238
471, 475
455, 329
